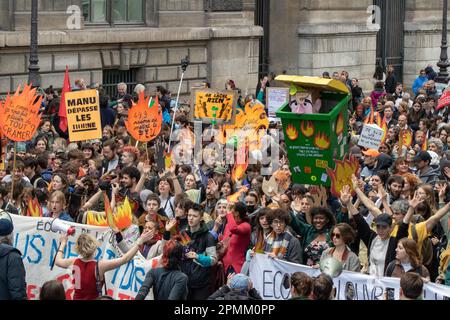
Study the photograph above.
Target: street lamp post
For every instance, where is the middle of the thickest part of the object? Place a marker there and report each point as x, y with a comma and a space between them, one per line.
443, 59
33, 69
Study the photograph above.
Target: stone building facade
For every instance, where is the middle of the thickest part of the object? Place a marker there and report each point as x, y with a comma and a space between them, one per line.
219, 37
311, 36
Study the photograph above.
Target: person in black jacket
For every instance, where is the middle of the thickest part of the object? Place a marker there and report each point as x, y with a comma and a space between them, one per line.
168, 282
200, 254
391, 80
238, 287
12, 270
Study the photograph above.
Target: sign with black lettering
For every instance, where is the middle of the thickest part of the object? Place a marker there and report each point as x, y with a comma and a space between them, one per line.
83, 115
371, 136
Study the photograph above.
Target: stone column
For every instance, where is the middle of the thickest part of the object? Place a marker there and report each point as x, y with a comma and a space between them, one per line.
423, 32
309, 37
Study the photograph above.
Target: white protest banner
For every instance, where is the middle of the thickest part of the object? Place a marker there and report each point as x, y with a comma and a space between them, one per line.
38, 245
271, 278
371, 136
276, 98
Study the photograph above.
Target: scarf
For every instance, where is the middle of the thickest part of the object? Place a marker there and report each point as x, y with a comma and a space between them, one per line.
259, 246
278, 244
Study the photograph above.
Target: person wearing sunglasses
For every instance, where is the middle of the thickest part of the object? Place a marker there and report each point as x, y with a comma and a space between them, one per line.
342, 235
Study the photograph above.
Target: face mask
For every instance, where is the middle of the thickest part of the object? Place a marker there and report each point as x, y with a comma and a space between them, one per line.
250, 209
177, 126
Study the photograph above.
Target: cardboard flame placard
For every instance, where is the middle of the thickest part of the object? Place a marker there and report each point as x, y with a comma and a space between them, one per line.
291, 132
250, 123
144, 122
307, 128
19, 118
121, 220
239, 168
340, 124
342, 175
321, 141
235, 196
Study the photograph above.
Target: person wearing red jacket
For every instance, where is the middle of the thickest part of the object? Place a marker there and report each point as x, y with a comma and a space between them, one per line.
236, 238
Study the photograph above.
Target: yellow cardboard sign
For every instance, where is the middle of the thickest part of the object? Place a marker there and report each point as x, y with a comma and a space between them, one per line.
83, 115
214, 106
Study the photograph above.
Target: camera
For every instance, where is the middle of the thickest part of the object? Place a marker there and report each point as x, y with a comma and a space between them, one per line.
184, 63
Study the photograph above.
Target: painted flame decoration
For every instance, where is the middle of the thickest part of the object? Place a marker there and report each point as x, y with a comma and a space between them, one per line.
239, 168
34, 208
249, 122
340, 124
235, 196
321, 141
291, 132
342, 175
144, 122
19, 118
121, 220
307, 130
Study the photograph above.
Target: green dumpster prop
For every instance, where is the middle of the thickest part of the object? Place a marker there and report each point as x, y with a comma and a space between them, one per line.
315, 140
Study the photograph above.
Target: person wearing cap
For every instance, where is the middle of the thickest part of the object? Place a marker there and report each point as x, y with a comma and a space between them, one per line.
12, 270
370, 161
238, 287
380, 244
426, 173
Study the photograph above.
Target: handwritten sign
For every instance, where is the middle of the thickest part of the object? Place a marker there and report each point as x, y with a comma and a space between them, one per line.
19, 117
371, 136
276, 98
83, 115
144, 122
214, 106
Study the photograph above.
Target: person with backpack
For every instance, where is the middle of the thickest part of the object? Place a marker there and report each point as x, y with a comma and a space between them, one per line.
407, 260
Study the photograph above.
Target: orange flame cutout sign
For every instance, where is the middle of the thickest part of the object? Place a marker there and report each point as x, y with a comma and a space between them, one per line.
307, 128
34, 208
342, 175
291, 132
340, 124
235, 196
321, 141
95, 218
19, 118
239, 168
144, 122
123, 218
108, 211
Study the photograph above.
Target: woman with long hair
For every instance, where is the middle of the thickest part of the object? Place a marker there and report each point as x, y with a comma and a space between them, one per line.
407, 260
342, 235
411, 183
401, 167
87, 271
168, 282
415, 114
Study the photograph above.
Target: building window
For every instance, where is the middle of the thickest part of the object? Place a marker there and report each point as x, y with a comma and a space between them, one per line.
111, 77
113, 11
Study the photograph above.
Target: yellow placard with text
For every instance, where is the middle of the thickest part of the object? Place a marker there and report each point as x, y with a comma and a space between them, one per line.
214, 106
83, 115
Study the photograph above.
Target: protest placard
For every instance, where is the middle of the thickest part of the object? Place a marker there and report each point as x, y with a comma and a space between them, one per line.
144, 120
371, 136
83, 115
214, 106
276, 98
19, 118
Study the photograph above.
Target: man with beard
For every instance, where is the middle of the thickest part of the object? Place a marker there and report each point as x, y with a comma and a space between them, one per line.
131, 184
370, 160
111, 160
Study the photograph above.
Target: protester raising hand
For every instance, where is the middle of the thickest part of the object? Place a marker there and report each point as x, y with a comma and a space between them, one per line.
415, 200
171, 224
346, 196
441, 188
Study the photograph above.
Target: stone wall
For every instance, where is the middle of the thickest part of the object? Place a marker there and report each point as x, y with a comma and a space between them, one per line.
423, 33
215, 53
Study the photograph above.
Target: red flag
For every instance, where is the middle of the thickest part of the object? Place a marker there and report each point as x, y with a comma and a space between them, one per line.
444, 100
62, 106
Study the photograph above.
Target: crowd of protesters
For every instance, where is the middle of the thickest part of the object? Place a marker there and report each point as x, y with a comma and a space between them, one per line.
397, 223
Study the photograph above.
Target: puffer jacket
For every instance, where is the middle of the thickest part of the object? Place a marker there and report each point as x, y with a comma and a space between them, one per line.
12, 274
199, 270
429, 175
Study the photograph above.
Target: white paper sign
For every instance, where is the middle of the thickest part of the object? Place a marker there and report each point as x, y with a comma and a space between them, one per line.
276, 98
371, 136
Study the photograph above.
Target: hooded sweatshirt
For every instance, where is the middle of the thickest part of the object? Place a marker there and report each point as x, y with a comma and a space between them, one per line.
12, 274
